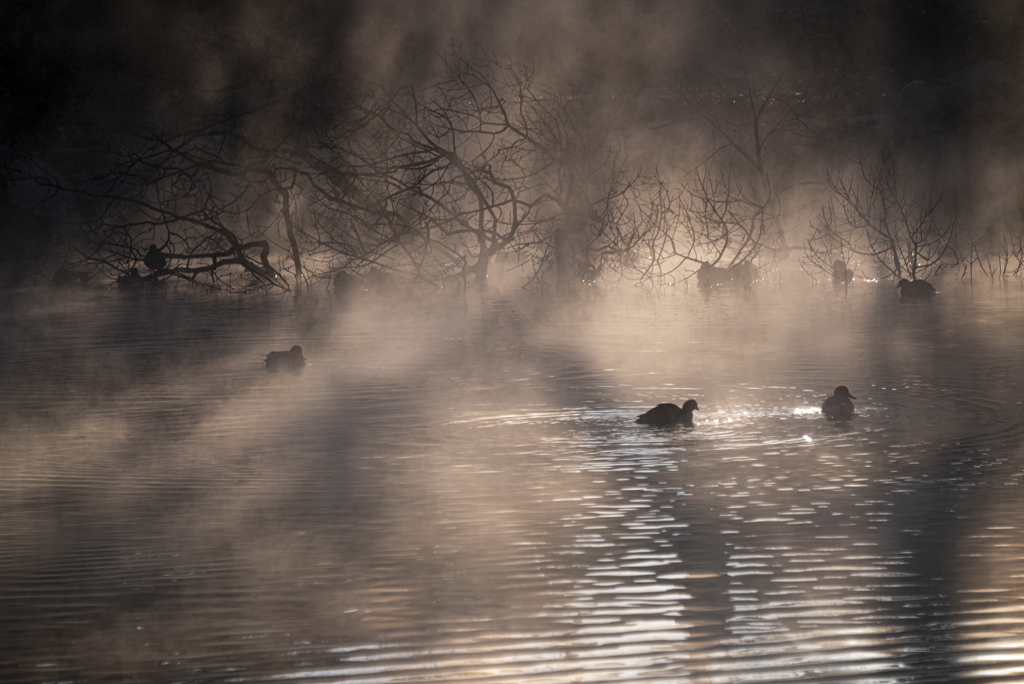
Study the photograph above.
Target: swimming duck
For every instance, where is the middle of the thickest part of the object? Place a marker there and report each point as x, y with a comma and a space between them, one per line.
839, 404
915, 289
667, 415
130, 281
841, 274
346, 285
291, 360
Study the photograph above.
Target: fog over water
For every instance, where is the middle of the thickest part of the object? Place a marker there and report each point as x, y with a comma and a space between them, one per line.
455, 489
500, 232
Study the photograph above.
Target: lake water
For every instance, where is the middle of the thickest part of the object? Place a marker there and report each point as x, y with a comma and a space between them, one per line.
455, 490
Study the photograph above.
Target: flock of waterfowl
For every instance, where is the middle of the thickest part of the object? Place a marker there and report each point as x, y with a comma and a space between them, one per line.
345, 284
837, 407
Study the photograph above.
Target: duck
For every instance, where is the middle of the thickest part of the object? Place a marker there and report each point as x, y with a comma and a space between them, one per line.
915, 289
667, 415
840, 274
130, 281
291, 360
346, 285
155, 260
839, 404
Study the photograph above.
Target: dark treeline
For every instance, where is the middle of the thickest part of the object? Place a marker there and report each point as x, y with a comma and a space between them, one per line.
255, 146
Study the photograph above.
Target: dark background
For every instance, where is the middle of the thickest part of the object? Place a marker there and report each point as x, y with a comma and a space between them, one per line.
73, 75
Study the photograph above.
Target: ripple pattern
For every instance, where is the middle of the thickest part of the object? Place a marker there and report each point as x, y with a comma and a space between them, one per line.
459, 493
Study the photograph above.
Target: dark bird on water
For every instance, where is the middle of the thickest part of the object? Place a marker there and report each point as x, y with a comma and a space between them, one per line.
667, 415
915, 289
841, 274
839, 404
291, 360
130, 281
346, 285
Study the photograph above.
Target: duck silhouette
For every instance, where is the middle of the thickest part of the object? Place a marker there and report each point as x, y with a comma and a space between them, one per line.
130, 281
840, 274
291, 360
346, 285
915, 289
667, 415
839, 404
155, 260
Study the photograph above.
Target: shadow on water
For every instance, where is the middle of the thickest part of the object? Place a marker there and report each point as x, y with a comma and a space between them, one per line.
457, 490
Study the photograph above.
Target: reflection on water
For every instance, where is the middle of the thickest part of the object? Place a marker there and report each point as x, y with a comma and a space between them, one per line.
456, 491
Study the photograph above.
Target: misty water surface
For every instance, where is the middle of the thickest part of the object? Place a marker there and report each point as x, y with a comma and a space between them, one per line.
455, 490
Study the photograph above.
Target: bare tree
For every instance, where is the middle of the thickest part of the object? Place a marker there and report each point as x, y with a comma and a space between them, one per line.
763, 128
424, 181
188, 194
484, 162
993, 259
830, 241
731, 220
597, 214
905, 224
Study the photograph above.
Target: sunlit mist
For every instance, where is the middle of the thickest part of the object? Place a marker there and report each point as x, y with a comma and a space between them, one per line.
511, 342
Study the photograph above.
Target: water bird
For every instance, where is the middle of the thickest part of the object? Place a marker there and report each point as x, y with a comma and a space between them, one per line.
155, 260
915, 289
346, 285
291, 360
841, 274
667, 415
839, 404
130, 281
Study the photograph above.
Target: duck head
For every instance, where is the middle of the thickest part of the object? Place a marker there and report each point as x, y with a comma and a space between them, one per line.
842, 392
690, 406
296, 351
